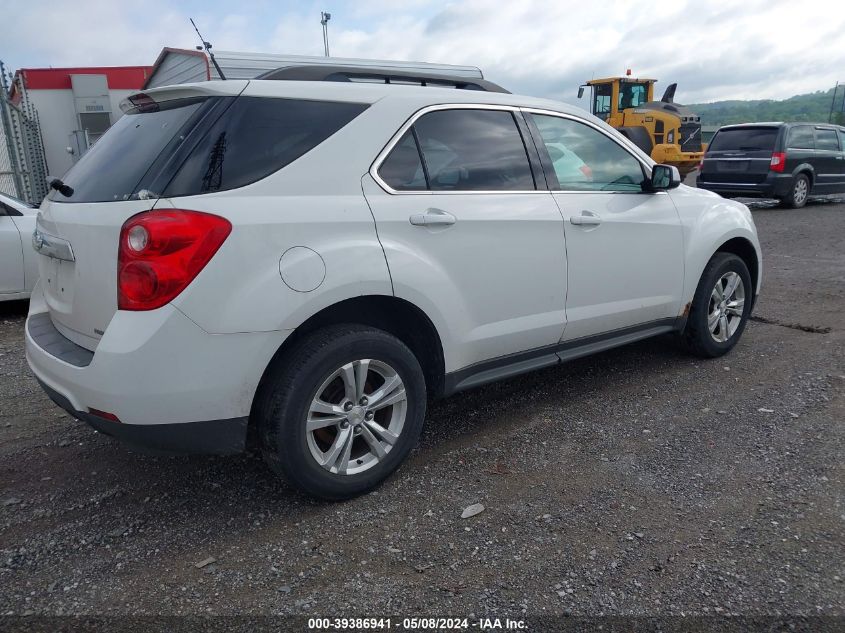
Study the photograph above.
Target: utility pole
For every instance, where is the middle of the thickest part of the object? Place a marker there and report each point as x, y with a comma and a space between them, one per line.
324, 20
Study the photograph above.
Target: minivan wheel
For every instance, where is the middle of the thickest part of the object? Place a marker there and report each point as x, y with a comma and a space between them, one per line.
341, 410
720, 307
797, 197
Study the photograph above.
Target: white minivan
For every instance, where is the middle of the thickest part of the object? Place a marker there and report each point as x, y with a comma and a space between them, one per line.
314, 260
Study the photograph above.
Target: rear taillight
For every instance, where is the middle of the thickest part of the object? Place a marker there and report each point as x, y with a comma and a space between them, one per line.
161, 252
778, 162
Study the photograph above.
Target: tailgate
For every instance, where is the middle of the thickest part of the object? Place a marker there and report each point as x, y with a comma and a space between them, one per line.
740, 154
78, 264
79, 225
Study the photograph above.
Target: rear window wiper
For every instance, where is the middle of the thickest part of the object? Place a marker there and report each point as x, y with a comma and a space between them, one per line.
61, 187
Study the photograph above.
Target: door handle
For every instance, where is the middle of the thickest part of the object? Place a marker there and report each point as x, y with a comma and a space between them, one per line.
587, 218
433, 217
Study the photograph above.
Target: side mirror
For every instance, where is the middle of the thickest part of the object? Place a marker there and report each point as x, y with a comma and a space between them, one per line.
664, 177
580, 91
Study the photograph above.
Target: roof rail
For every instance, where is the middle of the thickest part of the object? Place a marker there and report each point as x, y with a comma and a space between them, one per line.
325, 72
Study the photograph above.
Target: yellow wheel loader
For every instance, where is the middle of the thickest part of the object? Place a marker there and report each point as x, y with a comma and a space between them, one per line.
665, 130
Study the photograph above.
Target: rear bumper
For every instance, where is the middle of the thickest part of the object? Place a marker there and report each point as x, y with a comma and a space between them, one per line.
215, 437
173, 386
774, 186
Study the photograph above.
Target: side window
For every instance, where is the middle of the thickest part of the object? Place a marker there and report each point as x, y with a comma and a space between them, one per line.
584, 159
842, 140
801, 137
256, 137
826, 139
473, 150
402, 170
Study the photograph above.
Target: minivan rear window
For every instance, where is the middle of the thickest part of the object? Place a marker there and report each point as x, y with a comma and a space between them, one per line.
745, 139
191, 146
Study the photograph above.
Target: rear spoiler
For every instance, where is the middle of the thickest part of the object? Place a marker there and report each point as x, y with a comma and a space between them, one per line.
147, 100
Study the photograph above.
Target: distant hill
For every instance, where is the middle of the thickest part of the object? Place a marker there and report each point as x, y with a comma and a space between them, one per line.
807, 107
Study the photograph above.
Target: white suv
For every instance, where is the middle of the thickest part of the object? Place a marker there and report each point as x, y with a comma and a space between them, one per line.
312, 260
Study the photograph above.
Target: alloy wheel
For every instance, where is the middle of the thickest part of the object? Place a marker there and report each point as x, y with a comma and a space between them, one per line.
799, 194
727, 304
356, 416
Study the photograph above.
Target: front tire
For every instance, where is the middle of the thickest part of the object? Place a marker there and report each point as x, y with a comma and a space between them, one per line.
341, 410
720, 308
799, 193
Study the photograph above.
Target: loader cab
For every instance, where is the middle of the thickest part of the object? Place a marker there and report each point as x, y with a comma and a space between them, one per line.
611, 96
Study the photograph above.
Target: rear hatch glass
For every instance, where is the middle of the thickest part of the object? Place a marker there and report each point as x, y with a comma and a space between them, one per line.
740, 154
177, 148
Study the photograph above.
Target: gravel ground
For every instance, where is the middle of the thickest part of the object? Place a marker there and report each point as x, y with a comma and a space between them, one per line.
640, 481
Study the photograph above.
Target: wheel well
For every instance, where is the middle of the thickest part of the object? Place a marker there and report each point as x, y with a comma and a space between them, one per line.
399, 317
809, 174
743, 249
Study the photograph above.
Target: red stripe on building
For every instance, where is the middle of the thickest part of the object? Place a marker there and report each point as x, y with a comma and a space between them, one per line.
118, 77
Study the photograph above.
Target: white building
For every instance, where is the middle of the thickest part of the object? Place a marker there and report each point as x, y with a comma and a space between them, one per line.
74, 106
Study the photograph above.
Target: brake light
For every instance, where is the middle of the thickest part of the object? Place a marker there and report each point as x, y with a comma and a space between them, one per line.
161, 252
587, 171
778, 162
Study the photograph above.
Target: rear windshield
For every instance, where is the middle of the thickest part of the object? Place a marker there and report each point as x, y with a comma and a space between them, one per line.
745, 139
190, 146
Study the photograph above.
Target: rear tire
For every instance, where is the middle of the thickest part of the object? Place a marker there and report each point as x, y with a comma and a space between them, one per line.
720, 307
799, 193
314, 429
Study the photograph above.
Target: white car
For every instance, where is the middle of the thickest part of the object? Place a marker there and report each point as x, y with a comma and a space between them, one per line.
315, 259
18, 262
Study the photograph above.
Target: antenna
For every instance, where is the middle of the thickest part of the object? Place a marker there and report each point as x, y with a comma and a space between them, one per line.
207, 47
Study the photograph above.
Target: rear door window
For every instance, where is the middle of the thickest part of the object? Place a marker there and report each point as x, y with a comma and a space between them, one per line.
402, 170
801, 137
826, 140
744, 139
473, 150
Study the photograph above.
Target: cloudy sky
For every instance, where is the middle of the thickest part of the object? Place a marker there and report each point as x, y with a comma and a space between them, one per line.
714, 49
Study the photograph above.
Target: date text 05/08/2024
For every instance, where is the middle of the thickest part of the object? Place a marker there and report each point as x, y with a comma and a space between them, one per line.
415, 624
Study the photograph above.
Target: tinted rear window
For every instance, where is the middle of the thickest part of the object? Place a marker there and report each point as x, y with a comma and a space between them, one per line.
745, 139
256, 137
187, 147
113, 168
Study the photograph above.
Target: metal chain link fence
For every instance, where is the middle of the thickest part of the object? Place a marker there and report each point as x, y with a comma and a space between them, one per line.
23, 167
